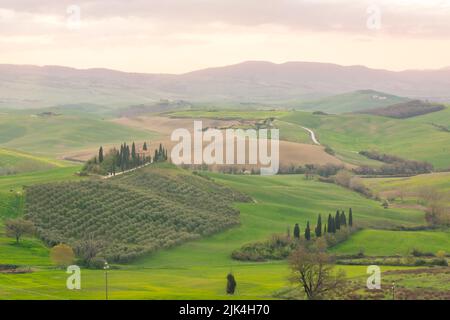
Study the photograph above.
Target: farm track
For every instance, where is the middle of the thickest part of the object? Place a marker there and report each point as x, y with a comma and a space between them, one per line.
312, 135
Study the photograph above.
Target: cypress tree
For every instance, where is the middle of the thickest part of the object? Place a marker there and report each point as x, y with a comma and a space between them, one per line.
100, 155
307, 231
231, 283
343, 219
319, 227
350, 218
133, 153
337, 221
145, 146
332, 226
330, 223
296, 231
325, 229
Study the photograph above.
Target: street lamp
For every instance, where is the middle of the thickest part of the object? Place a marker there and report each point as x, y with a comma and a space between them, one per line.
106, 267
393, 290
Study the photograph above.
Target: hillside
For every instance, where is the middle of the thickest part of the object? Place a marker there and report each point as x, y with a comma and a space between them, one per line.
56, 135
405, 110
352, 101
247, 82
13, 162
133, 214
417, 138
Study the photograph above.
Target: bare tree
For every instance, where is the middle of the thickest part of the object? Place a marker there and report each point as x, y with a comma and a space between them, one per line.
314, 270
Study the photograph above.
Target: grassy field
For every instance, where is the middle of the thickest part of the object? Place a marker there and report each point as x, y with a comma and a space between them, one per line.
389, 243
198, 268
351, 101
228, 114
31, 251
53, 136
12, 162
16, 182
439, 180
414, 138
417, 138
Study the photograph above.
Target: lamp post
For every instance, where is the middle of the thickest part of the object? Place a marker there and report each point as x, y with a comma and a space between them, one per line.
106, 267
393, 290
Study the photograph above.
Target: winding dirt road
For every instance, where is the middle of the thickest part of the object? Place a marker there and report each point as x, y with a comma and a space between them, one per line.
313, 135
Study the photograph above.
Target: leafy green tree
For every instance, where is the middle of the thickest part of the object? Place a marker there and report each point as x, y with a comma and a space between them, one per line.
307, 231
231, 284
296, 231
318, 230
16, 228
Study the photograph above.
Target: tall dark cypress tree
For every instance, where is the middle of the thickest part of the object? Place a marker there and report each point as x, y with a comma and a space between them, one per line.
318, 230
350, 217
127, 156
296, 231
325, 229
330, 223
133, 153
307, 231
231, 284
332, 226
343, 219
337, 221
100, 155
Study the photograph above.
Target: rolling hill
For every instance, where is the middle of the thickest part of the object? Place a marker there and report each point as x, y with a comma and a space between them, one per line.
199, 267
406, 109
352, 101
13, 162
247, 82
417, 138
132, 214
55, 135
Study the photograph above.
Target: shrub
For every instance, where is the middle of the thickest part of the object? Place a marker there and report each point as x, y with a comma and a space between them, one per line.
420, 262
62, 255
440, 262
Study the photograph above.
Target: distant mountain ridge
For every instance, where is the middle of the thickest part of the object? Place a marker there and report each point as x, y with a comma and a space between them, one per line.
24, 86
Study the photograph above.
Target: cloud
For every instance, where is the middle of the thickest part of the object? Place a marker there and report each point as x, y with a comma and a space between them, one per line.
398, 17
181, 35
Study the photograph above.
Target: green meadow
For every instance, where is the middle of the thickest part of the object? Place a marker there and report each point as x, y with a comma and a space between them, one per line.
52, 136
197, 269
13, 162
390, 243
438, 180
414, 138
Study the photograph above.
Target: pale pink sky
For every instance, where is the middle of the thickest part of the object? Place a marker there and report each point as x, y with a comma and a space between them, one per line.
175, 36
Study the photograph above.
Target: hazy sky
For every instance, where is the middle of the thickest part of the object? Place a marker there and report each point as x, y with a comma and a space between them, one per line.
176, 36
